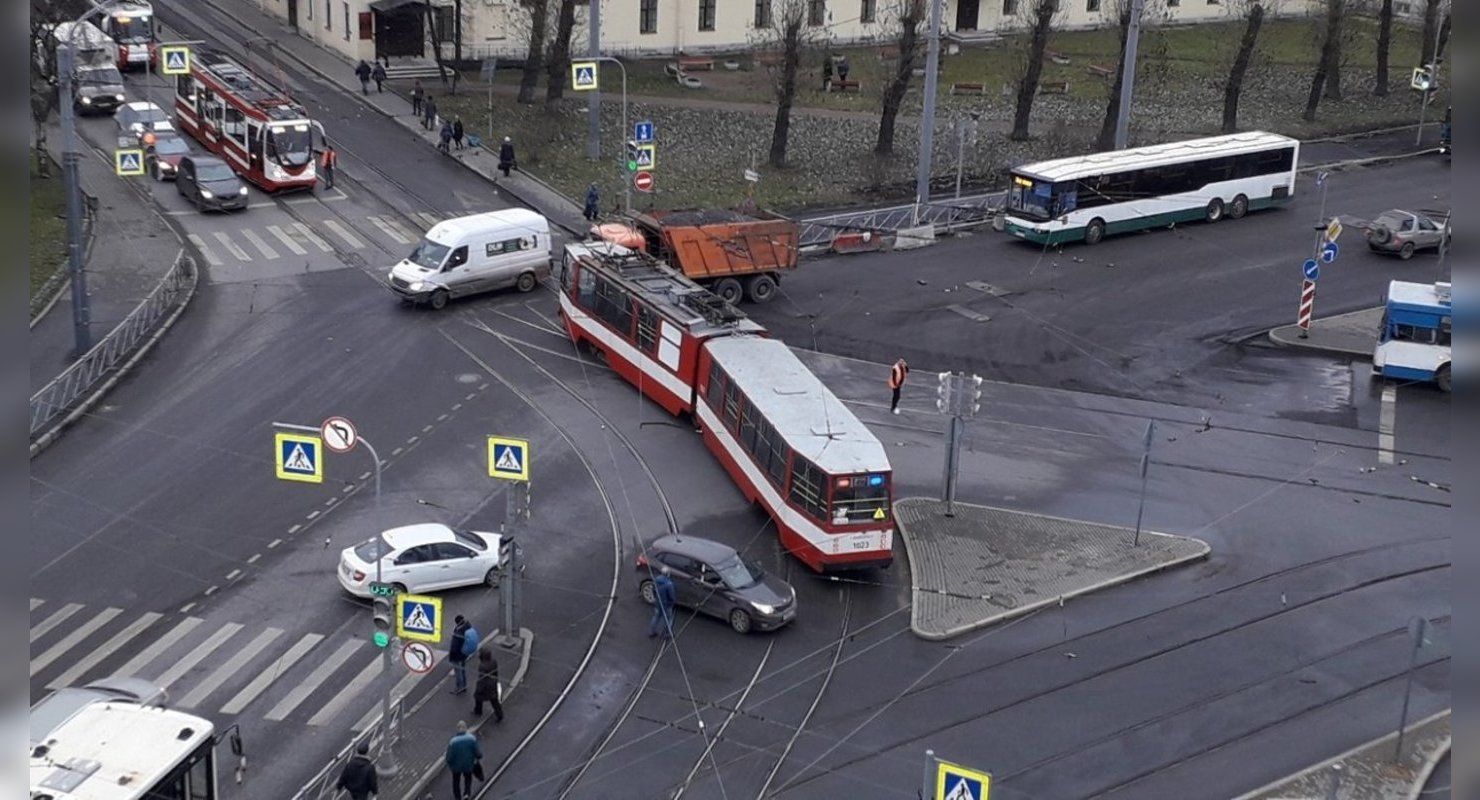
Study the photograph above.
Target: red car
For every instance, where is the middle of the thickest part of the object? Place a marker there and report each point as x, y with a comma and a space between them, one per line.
162, 154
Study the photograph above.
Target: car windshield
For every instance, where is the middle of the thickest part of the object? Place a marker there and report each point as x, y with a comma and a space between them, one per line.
469, 539
171, 146
290, 145
207, 173
429, 254
737, 574
368, 550
147, 114
99, 76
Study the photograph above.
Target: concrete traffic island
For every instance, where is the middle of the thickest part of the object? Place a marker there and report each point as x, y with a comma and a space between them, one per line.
1369, 772
1353, 334
985, 564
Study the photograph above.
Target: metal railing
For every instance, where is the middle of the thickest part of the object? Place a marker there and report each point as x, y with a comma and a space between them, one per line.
77, 382
322, 785
946, 215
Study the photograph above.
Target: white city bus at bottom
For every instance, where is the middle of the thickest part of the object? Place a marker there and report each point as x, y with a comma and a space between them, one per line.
119, 750
1414, 342
1085, 198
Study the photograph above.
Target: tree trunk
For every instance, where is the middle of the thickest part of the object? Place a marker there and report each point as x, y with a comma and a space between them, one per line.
1240, 68
560, 52
787, 93
1324, 65
1333, 67
535, 58
1384, 41
1443, 38
1106, 140
1430, 29
1028, 87
899, 85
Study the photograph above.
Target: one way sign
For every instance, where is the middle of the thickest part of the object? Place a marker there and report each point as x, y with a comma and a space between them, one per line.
583, 75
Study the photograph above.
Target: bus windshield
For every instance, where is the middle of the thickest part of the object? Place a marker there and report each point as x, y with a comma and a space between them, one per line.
1031, 198
290, 145
860, 498
133, 29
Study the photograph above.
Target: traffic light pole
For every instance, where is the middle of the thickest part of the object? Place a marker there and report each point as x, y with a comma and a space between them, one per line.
1433, 65
960, 396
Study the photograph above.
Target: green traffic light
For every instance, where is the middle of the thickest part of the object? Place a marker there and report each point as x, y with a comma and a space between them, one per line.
382, 639
631, 166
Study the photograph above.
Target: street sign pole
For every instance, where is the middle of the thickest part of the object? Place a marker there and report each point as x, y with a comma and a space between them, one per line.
1418, 626
1145, 462
1128, 75
927, 784
593, 109
1433, 65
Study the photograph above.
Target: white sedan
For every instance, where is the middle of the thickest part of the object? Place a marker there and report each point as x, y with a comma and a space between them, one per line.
422, 558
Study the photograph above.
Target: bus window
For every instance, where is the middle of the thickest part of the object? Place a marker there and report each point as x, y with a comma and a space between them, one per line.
860, 498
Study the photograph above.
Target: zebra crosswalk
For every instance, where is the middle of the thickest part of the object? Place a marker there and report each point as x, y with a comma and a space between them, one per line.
229, 668
297, 239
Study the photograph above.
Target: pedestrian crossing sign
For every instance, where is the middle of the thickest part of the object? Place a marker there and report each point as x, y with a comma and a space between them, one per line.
508, 458
174, 59
954, 782
583, 76
299, 457
647, 156
129, 161
419, 617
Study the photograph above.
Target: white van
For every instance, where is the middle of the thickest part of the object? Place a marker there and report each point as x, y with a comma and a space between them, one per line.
478, 253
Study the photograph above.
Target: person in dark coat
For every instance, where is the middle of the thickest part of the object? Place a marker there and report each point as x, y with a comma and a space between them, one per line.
457, 132
430, 123
417, 95
666, 595
842, 68
362, 71
463, 755
506, 160
827, 64
358, 777
457, 652
446, 137
485, 690
593, 203
379, 75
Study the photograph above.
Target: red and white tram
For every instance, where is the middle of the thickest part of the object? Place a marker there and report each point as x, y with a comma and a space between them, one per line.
131, 26
788, 443
260, 131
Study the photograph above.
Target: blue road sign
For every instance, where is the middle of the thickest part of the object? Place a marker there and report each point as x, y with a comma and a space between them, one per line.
298, 457
643, 131
1312, 269
508, 458
955, 782
1329, 252
419, 617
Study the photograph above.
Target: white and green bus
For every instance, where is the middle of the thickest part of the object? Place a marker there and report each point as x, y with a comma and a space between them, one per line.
1083, 198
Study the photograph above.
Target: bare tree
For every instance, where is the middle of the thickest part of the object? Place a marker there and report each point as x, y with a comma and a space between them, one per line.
908, 17
785, 34
1121, 11
539, 14
1039, 15
1384, 41
1328, 63
565, 23
1430, 29
1253, 14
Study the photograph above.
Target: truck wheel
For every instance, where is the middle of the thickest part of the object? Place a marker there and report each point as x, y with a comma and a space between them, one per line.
439, 299
761, 289
728, 289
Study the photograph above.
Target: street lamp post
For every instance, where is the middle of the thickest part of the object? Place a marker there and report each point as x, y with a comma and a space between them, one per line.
627, 181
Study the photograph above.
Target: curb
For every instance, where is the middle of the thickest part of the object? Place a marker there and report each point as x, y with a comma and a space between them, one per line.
1279, 339
1369, 161
1427, 770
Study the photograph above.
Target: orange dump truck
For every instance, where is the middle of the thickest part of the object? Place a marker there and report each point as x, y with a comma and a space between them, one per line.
731, 253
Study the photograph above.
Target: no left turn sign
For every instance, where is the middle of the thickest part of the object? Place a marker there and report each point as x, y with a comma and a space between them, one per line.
339, 434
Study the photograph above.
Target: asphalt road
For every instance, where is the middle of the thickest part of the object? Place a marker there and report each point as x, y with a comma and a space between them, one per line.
1283, 648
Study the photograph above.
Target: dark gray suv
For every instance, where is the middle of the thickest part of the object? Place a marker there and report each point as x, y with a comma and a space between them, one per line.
712, 578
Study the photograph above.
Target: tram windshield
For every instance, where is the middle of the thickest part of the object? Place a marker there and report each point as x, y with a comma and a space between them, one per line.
290, 145
133, 28
860, 498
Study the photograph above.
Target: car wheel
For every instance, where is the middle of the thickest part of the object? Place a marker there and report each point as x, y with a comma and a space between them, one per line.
1214, 211
1094, 231
527, 282
761, 289
729, 290
439, 299
1442, 378
400, 588
1406, 251
492, 578
740, 620
1239, 208
648, 592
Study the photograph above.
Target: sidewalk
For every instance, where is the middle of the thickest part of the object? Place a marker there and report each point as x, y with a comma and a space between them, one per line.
131, 250
1369, 772
1348, 334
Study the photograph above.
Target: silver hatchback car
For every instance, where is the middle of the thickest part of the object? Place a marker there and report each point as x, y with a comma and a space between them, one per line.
1405, 232
712, 578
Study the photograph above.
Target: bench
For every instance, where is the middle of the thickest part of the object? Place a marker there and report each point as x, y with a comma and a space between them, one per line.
1056, 57
1100, 70
695, 63
840, 85
969, 88
1053, 87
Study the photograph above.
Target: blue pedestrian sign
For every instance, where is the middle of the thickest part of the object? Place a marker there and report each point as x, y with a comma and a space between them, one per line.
508, 458
955, 782
1312, 269
175, 60
643, 131
583, 76
298, 457
419, 617
1329, 252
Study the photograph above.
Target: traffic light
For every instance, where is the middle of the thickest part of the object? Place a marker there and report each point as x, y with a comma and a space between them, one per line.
382, 608
976, 394
943, 393
632, 150
1423, 79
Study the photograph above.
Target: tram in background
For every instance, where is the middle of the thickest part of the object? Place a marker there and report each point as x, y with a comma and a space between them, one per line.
259, 130
782, 436
131, 27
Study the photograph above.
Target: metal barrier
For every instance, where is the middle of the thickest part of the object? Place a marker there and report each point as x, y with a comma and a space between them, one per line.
322, 785
78, 381
957, 213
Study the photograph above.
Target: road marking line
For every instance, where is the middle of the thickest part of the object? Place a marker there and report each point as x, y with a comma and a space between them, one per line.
1386, 420
320, 674
348, 489
232, 574
232, 666
106, 649
330, 501
287, 240
35, 602
482, 386
294, 529
312, 514
160, 645
441, 417
254, 558
471, 395
356, 684
200, 244
211, 591
427, 218
308, 234
271, 673
185, 609
70, 640
241, 255
397, 451
386, 229
257, 242
276, 542
456, 406
217, 638
411, 233
425, 428
402, 688
343, 233
412, 440
55, 620
365, 476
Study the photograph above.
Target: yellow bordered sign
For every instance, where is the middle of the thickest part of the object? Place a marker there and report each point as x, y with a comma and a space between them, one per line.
174, 59
508, 458
955, 782
298, 457
419, 617
583, 76
129, 161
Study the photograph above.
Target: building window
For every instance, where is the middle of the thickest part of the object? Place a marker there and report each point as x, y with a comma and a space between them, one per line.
1173, 3
1009, 8
1092, 6
763, 13
328, 15
706, 15
647, 21
816, 12
346, 21
868, 12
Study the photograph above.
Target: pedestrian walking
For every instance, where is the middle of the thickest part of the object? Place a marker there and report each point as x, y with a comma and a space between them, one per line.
358, 777
379, 75
593, 202
486, 688
328, 161
842, 68
506, 160
897, 374
417, 95
464, 643
362, 71
665, 593
445, 137
827, 66
430, 123
464, 761
457, 132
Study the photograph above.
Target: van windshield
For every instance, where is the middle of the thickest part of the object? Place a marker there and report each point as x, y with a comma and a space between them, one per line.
429, 254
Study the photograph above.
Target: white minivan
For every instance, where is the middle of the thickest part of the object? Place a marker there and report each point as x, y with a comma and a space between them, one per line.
478, 253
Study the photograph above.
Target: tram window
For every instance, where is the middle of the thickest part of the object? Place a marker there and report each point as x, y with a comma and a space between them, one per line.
730, 413
587, 284
807, 488
185, 87
647, 330
761, 448
857, 498
1445, 334
716, 384
614, 306
201, 785
235, 125
780, 454
748, 417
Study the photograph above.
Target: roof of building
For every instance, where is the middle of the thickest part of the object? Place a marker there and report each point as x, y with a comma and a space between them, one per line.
807, 414
1153, 155
701, 312
517, 220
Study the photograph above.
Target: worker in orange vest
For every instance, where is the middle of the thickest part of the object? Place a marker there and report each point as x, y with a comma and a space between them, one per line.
897, 375
328, 161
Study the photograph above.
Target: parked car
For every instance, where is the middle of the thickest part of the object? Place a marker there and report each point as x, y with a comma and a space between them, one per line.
59, 706
140, 116
162, 154
1404, 232
423, 558
712, 578
209, 183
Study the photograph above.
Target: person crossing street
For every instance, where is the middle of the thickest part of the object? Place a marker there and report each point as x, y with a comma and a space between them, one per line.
897, 374
665, 594
328, 162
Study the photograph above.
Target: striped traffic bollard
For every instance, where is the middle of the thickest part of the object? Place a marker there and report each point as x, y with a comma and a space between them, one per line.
1307, 306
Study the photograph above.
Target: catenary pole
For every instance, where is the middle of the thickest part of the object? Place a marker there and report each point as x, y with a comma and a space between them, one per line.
593, 109
927, 116
1128, 71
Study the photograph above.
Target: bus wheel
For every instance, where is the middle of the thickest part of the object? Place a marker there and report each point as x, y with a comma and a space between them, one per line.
439, 299
729, 290
1442, 378
761, 289
1094, 231
1214, 211
1239, 208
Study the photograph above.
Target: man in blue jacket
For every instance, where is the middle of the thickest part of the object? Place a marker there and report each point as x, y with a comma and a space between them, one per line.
464, 643
463, 755
666, 594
